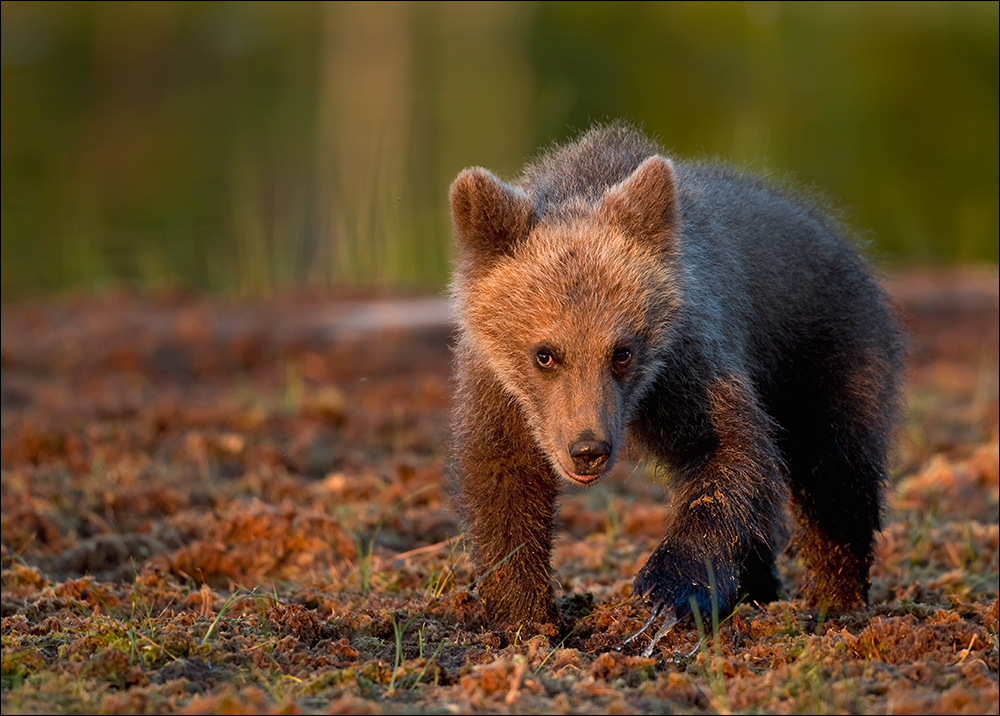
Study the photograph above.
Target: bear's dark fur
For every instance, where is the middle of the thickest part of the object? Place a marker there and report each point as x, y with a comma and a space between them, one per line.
723, 325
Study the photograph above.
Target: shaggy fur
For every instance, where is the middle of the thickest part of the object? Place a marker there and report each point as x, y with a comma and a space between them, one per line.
721, 325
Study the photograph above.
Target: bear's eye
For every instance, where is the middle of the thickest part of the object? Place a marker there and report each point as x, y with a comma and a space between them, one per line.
544, 358
622, 357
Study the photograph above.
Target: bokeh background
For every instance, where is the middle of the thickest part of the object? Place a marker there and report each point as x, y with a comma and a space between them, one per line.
246, 148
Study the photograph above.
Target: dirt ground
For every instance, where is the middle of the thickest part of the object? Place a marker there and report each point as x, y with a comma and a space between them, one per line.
215, 507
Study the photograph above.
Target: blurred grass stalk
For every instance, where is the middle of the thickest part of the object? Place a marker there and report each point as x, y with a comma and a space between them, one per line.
364, 117
379, 213
390, 140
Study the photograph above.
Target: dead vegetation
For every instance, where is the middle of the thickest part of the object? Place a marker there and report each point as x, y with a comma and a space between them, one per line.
213, 508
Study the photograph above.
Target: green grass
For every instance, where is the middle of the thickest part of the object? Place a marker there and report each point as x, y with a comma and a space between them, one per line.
239, 149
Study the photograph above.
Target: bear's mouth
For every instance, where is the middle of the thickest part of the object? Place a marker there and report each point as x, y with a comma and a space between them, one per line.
580, 479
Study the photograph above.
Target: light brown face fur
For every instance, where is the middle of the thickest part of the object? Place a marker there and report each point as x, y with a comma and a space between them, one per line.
581, 294
568, 312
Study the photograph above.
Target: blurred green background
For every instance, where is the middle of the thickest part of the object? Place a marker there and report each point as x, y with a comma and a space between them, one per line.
244, 148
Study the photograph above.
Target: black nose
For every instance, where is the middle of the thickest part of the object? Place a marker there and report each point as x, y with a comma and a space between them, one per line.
589, 456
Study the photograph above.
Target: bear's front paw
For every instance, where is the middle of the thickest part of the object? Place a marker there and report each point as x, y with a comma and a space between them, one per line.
674, 585
514, 604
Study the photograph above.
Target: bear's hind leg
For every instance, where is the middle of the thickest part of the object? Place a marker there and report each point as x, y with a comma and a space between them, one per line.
836, 546
836, 455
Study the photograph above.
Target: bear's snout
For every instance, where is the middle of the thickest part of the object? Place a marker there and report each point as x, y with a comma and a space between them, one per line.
590, 455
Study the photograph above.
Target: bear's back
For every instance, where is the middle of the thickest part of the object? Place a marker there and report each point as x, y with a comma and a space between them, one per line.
760, 263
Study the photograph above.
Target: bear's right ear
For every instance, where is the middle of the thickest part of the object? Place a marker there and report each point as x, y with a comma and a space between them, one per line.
490, 217
645, 203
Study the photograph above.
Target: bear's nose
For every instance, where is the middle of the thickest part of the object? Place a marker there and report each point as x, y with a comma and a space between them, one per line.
589, 455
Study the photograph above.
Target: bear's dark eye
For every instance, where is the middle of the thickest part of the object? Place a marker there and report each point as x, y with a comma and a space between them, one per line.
622, 357
544, 358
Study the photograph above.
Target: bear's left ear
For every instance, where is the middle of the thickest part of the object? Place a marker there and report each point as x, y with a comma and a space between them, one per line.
645, 204
490, 216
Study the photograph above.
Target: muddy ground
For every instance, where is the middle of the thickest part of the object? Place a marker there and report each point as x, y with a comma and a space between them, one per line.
215, 507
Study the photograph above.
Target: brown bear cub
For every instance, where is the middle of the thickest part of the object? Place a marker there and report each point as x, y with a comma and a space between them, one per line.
721, 326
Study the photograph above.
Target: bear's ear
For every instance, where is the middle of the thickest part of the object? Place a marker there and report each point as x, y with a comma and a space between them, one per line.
490, 217
645, 204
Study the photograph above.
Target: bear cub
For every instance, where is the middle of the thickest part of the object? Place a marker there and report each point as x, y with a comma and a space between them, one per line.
716, 324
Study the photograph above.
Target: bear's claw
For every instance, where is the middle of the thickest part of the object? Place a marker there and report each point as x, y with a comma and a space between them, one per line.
668, 622
655, 613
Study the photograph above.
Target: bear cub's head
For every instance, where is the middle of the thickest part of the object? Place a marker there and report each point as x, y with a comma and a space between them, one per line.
568, 304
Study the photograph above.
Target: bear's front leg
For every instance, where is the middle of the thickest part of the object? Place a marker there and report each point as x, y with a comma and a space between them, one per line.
506, 493
725, 510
